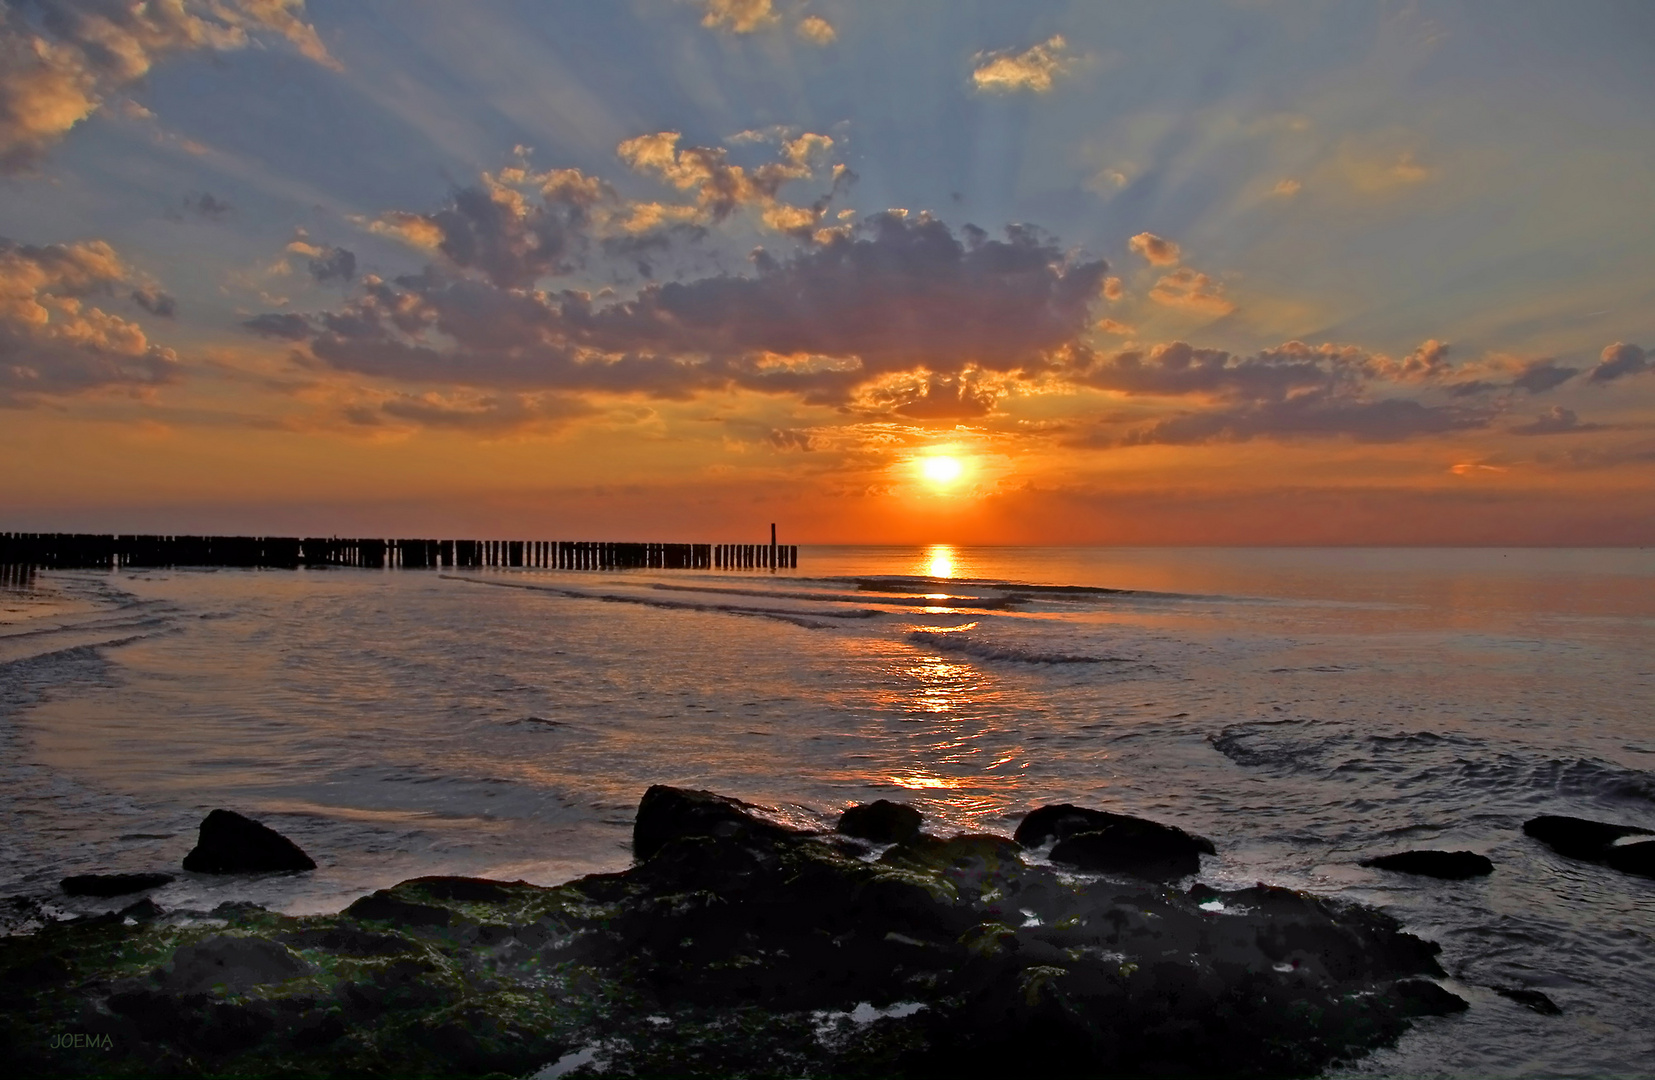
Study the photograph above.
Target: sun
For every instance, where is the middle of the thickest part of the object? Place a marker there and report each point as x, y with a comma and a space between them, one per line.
941, 470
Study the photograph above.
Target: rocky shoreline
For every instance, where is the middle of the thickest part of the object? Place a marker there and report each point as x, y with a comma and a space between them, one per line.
740, 946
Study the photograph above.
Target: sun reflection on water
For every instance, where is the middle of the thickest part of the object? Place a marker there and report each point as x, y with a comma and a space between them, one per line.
939, 560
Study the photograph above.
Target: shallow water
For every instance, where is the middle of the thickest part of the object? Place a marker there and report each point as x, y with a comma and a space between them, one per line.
1304, 708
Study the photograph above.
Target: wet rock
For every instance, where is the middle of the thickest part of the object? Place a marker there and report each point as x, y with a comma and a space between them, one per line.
1595, 841
142, 911
383, 906
740, 947
1448, 865
231, 963
232, 844
113, 884
1063, 820
1103, 842
1529, 999
1636, 858
882, 821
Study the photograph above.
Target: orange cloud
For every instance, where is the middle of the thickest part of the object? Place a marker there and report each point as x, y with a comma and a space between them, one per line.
738, 16
1033, 69
56, 73
1187, 289
1158, 250
817, 30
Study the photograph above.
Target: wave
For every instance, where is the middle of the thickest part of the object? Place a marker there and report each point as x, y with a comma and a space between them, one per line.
930, 599
956, 642
1453, 762
807, 620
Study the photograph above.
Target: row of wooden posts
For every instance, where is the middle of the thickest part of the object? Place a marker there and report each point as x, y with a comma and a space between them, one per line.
94, 551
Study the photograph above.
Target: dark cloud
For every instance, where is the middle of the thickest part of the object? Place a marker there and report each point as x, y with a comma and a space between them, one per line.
900, 294
1314, 416
155, 302
283, 326
334, 264
206, 204
54, 340
1555, 421
1618, 360
1178, 369
938, 397
1543, 375
790, 439
488, 414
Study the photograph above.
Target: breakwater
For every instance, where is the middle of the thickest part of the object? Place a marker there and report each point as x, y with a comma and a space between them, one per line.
64, 551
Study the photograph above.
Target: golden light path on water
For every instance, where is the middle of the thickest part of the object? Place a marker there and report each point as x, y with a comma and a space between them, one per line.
953, 705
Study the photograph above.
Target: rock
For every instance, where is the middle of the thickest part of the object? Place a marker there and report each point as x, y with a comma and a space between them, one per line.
882, 821
1105, 842
669, 813
232, 844
1576, 837
113, 884
1529, 999
1448, 865
739, 946
1595, 841
1062, 820
382, 906
233, 963
1636, 858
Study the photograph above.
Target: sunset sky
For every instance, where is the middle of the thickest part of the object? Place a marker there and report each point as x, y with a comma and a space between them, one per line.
1245, 272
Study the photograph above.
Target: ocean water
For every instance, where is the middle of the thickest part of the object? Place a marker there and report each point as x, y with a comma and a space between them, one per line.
1304, 708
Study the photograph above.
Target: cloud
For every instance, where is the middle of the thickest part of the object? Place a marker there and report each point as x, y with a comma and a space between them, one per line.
817, 30
929, 396
721, 187
53, 341
205, 204
1159, 251
1110, 326
1618, 360
1286, 188
155, 302
333, 264
1035, 69
1555, 421
893, 294
1314, 415
487, 414
1113, 289
60, 60
1543, 375
738, 16
1196, 292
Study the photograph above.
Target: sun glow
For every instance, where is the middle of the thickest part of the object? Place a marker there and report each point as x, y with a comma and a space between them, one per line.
941, 470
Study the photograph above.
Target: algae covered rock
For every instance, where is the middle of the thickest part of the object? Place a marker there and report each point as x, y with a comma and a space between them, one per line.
232, 844
738, 946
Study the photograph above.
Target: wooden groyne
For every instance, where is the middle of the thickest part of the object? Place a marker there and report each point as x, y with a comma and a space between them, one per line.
81, 551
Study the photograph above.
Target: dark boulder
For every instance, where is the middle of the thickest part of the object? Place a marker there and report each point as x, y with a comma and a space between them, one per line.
232, 844
382, 906
113, 884
1636, 858
1448, 865
1062, 820
669, 813
1576, 837
234, 963
1529, 999
1595, 841
882, 821
1105, 842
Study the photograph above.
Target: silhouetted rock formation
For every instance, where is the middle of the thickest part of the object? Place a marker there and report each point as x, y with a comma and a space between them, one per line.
737, 946
113, 884
232, 844
882, 821
1105, 842
1529, 999
1448, 865
1595, 841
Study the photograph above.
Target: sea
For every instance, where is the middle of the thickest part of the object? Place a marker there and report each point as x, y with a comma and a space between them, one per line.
1303, 708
